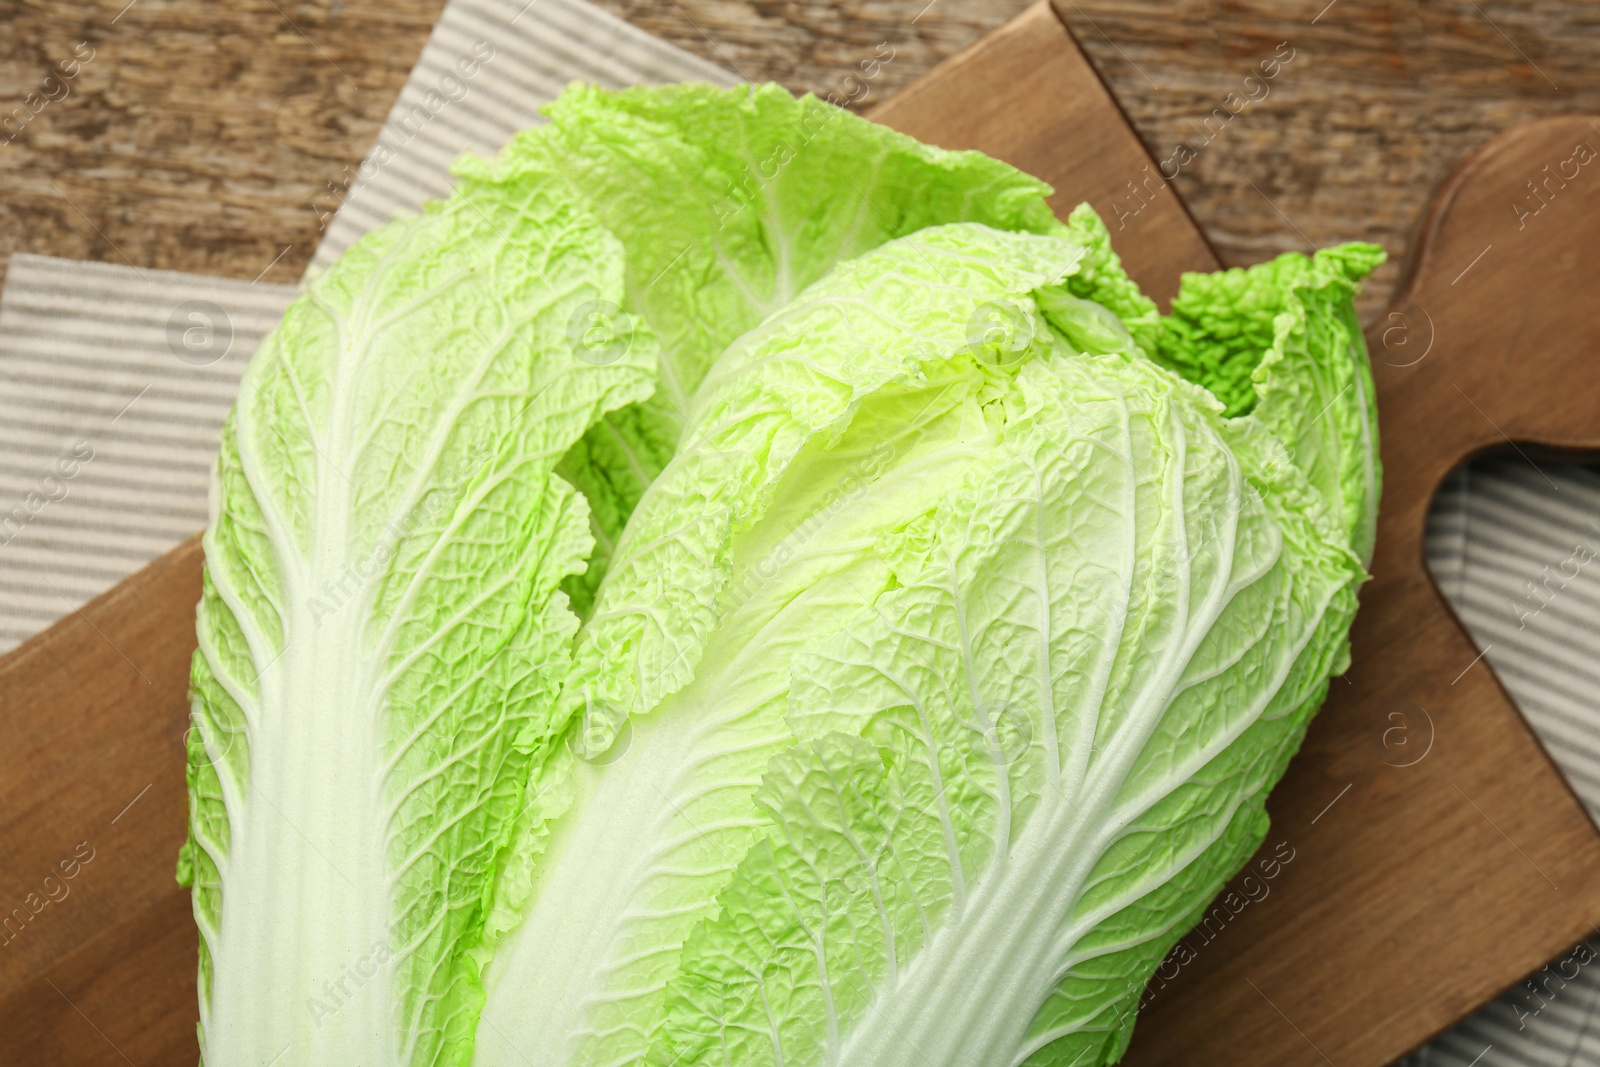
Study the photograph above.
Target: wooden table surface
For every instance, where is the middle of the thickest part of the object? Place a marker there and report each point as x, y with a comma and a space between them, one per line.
202, 136
199, 134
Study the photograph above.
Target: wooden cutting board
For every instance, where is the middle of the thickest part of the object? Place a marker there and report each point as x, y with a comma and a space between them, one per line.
1439, 856
1406, 891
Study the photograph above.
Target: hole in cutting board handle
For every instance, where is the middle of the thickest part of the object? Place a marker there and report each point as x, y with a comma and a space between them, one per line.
1513, 544
1501, 531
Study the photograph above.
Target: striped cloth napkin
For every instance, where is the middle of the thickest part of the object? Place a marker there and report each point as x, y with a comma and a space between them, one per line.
114, 382
1514, 548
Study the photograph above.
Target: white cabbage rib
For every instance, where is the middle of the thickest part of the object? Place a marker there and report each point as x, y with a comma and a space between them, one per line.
649, 839
934, 687
1118, 593
655, 830
381, 635
1033, 754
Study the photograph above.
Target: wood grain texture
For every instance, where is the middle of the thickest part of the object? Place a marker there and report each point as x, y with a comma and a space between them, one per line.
1383, 98
819, 46
1403, 908
99, 964
204, 137
1070, 131
196, 136
199, 134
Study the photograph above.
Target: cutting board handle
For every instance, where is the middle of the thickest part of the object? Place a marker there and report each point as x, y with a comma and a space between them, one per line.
1459, 862
1492, 343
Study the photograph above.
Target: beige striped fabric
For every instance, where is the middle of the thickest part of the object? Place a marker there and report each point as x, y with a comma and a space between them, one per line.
113, 386
1521, 544
488, 67
79, 342
114, 383
1513, 547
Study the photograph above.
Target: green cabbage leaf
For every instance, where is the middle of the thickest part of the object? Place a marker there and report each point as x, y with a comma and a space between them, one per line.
729, 202
735, 586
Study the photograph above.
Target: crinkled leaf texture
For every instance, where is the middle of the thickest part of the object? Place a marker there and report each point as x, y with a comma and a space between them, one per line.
1019, 698
729, 202
948, 643
844, 415
1281, 341
1029, 766
382, 631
